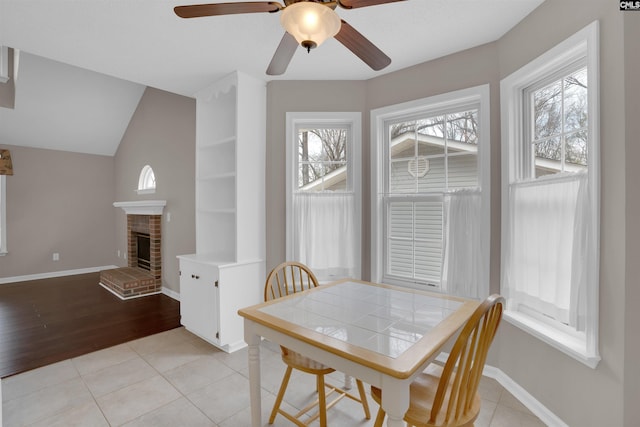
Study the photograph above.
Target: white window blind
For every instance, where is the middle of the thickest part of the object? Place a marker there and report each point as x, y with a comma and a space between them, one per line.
415, 240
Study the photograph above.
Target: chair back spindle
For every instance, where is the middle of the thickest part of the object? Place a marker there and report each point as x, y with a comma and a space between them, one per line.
461, 374
288, 278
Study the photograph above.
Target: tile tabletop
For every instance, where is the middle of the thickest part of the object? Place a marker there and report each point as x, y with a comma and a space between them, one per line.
381, 319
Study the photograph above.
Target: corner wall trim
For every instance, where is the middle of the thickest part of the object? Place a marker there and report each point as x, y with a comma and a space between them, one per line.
25, 278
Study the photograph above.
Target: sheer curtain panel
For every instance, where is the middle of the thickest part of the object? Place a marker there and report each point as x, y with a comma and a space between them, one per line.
462, 266
325, 233
548, 246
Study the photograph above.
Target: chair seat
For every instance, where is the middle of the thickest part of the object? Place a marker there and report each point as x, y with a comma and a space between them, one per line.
305, 364
423, 391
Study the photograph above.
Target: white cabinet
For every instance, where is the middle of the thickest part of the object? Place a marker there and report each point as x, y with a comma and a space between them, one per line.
211, 294
230, 210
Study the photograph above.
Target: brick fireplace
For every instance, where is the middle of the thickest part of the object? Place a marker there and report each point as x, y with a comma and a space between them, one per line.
143, 274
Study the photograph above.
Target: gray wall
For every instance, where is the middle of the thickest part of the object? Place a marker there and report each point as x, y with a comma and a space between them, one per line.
435, 77
299, 96
8, 89
161, 134
632, 198
58, 202
581, 396
63, 202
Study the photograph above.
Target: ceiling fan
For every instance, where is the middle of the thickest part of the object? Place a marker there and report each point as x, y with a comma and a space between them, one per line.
307, 22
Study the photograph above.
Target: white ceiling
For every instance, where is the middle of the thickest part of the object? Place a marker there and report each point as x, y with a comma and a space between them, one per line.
144, 42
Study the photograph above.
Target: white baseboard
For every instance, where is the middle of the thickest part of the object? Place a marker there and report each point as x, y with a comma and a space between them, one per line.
533, 404
4, 280
171, 293
530, 402
168, 292
127, 298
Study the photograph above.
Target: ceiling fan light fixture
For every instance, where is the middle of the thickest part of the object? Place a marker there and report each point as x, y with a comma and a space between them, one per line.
310, 23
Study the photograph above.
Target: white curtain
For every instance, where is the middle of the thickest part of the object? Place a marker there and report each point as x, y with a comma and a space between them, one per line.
325, 233
462, 266
546, 255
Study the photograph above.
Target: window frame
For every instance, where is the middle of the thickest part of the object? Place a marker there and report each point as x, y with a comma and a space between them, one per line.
582, 46
559, 74
473, 97
350, 120
143, 180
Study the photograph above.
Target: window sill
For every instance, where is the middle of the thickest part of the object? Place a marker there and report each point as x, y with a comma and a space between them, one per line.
145, 191
569, 344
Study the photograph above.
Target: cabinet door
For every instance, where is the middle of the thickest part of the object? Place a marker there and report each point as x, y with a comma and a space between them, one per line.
241, 285
199, 299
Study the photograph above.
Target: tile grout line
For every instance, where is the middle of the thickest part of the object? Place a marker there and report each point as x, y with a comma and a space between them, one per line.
95, 400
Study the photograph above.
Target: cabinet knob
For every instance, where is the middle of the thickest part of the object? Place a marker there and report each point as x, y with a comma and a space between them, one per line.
195, 276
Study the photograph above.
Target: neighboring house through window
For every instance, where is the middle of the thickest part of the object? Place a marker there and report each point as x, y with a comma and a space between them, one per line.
430, 193
323, 193
550, 196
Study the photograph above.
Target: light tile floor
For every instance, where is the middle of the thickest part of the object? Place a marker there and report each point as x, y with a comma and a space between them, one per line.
176, 379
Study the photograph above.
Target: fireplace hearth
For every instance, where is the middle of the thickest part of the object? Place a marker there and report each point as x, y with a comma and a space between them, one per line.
143, 274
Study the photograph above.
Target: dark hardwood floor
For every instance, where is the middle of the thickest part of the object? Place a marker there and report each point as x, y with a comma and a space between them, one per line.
50, 320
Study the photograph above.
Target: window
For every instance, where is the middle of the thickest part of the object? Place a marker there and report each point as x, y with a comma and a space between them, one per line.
323, 193
3, 218
550, 197
430, 212
147, 181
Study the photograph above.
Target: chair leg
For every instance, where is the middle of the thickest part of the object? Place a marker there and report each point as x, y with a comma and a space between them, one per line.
363, 399
379, 418
283, 388
322, 401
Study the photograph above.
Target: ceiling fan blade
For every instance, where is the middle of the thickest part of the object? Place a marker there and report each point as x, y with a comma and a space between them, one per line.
354, 4
362, 47
283, 55
199, 10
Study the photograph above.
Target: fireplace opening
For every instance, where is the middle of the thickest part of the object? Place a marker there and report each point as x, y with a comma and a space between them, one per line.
144, 251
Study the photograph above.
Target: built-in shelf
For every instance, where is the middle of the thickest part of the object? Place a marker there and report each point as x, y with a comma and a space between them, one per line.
229, 211
217, 143
227, 271
215, 176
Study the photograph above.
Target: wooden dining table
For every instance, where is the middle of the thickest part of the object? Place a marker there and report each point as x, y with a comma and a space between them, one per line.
384, 335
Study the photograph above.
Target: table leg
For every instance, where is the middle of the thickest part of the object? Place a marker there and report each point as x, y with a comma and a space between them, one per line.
254, 375
348, 382
395, 401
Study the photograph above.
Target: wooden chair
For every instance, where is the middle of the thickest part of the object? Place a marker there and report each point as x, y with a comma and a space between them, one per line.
286, 279
451, 398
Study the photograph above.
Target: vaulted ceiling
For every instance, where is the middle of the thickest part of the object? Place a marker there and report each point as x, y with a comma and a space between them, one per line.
84, 64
